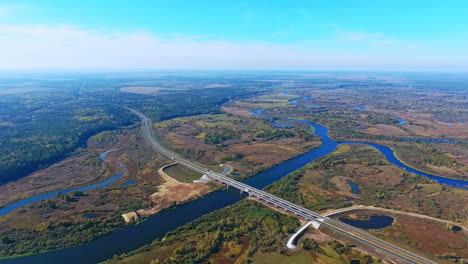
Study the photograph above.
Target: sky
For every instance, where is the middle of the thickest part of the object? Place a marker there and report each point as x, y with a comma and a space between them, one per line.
398, 35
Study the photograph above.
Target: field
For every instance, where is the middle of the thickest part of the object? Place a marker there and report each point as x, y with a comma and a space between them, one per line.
182, 174
52, 132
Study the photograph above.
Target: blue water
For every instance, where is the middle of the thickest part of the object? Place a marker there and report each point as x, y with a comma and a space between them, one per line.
354, 187
156, 226
390, 155
386, 151
375, 222
91, 216
296, 101
402, 122
276, 124
360, 108
7, 209
135, 236
128, 183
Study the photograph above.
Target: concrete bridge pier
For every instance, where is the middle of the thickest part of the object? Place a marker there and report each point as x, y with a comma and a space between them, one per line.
295, 237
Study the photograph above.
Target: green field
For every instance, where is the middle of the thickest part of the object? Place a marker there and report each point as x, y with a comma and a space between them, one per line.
182, 173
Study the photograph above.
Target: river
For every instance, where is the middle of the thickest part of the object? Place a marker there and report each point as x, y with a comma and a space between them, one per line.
7, 209
156, 226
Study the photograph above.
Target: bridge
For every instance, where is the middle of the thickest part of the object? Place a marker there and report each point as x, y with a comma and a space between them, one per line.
335, 225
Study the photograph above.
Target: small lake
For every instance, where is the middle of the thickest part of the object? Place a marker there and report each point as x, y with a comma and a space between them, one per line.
374, 222
354, 187
360, 108
402, 122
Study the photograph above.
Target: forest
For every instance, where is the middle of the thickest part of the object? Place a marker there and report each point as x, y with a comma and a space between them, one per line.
50, 123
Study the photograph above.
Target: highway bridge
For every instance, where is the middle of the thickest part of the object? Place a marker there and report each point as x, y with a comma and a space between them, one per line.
335, 225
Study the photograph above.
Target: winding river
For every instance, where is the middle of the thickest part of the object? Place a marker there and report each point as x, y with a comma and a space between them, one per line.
7, 209
156, 226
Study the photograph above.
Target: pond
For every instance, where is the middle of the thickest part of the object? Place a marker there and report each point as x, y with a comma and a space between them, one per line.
354, 187
360, 108
402, 122
374, 222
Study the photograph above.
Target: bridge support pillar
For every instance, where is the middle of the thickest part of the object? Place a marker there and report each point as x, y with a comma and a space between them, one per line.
294, 238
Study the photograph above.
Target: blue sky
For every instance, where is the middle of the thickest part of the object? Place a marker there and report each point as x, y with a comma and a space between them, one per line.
316, 35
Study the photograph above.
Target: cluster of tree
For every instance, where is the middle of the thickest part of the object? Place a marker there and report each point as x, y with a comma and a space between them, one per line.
197, 240
288, 189
44, 134
273, 134
216, 137
55, 234
420, 155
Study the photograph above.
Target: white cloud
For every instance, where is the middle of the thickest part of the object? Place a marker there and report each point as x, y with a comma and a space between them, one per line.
67, 47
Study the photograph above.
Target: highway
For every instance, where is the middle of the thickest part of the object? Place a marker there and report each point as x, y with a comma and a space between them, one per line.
335, 225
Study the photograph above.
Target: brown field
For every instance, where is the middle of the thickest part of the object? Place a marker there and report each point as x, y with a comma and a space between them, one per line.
141, 90
424, 125
238, 111
80, 170
387, 130
173, 192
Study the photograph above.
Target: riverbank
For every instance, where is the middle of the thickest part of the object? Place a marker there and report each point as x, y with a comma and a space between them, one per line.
259, 181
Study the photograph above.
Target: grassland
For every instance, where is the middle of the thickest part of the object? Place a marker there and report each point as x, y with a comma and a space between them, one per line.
267, 101
182, 174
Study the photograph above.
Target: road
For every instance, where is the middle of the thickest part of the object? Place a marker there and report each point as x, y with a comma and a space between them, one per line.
335, 225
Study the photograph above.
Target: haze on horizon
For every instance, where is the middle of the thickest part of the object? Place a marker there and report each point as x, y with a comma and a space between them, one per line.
279, 35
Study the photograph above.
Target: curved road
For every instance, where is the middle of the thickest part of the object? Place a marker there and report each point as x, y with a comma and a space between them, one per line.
335, 225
